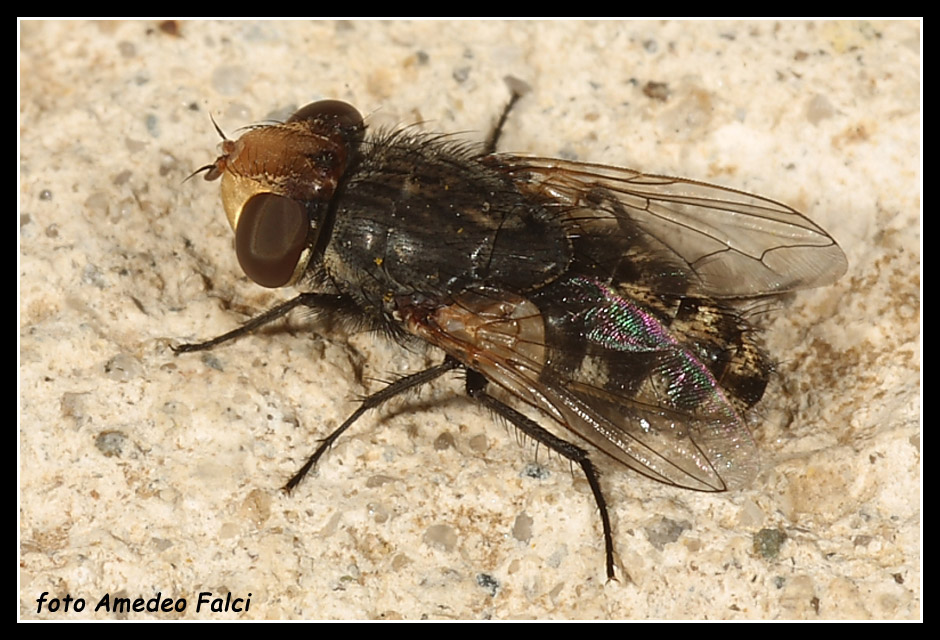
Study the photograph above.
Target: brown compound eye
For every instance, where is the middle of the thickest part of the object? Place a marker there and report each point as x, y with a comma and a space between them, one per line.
270, 238
343, 114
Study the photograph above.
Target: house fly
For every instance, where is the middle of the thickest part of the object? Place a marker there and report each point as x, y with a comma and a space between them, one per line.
607, 299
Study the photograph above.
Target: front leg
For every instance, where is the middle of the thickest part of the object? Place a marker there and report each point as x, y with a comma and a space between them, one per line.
321, 301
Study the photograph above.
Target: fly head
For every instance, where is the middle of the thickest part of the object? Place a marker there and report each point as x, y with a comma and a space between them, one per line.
277, 185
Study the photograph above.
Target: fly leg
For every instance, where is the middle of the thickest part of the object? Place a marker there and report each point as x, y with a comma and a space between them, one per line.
398, 387
323, 301
313, 300
518, 88
476, 388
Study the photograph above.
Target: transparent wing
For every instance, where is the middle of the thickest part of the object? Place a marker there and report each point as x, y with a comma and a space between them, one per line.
643, 399
728, 243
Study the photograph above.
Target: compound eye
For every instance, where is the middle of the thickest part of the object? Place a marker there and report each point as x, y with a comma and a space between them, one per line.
270, 237
342, 113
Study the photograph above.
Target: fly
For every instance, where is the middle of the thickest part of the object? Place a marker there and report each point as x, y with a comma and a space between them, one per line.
607, 299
